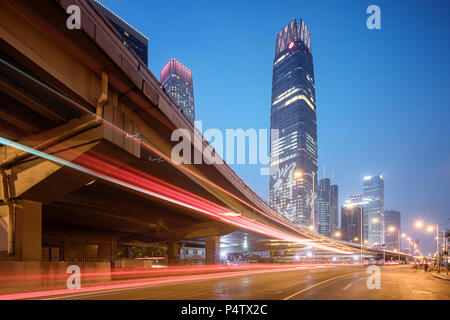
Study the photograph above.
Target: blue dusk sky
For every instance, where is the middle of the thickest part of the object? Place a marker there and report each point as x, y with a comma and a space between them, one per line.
383, 96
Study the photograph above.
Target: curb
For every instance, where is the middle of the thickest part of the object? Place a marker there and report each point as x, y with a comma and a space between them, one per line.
437, 275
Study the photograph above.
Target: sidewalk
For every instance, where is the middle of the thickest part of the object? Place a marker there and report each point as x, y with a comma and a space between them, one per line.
442, 275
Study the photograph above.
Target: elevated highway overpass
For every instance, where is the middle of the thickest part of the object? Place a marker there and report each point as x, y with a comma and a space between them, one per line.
85, 163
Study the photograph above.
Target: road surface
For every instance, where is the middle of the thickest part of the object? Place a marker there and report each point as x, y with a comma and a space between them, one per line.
396, 282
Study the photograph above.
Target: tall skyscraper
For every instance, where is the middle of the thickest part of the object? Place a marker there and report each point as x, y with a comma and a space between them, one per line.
392, 219
334, 208
293, 114
176, 79
323, 207
132, 37
374, 226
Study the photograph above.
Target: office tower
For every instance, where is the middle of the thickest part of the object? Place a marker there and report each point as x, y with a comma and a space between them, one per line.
373, 190
392, 219
351, 224
293, 114
323, 207
132, 37
334, 208
351, 213
176, 79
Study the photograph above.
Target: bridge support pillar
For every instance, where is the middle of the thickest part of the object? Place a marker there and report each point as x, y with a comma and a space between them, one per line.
212, 249
27, 231
173, 253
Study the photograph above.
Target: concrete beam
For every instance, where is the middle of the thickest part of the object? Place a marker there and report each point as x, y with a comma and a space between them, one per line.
204, 229
29, 174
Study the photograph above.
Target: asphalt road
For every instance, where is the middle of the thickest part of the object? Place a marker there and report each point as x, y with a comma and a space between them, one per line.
396, 282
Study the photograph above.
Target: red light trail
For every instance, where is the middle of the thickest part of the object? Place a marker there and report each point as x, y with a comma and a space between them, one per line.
232, 272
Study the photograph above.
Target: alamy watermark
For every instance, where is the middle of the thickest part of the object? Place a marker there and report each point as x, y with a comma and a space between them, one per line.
73, 22
74, 280
374, 20
374, 280
235, 145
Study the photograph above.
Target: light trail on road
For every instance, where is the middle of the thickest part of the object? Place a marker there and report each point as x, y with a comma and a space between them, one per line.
159, 281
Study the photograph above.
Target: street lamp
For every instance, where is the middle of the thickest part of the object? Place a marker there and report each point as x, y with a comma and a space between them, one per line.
337, 234
392, 229
419, 224
298, 174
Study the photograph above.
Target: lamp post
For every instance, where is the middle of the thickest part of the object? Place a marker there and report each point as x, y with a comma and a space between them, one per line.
392, 229
409, 245
419, 224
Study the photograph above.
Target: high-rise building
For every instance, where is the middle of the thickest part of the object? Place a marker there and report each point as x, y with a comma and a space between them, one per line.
176, 79
327, 207
131, 37
351, 214
392, 219
323, 207
293, 114
350, 223
373, 220
334, 208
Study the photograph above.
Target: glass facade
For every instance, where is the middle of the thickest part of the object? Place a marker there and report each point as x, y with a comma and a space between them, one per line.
351, 223
132, 38
334, 209
374, 224
176, 79
293, 114
323, 207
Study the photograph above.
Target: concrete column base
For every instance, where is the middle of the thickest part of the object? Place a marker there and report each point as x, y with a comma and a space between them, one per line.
212, 250
28, 231
173, 253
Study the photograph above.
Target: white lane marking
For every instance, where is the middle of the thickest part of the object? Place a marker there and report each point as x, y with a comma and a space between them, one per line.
318, 284
419, 291
347, 286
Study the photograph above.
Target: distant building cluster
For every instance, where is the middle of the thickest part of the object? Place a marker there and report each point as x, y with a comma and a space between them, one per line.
363, 217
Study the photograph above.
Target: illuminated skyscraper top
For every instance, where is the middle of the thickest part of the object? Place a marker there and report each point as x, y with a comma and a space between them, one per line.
176, 79
290, 34
293, 114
